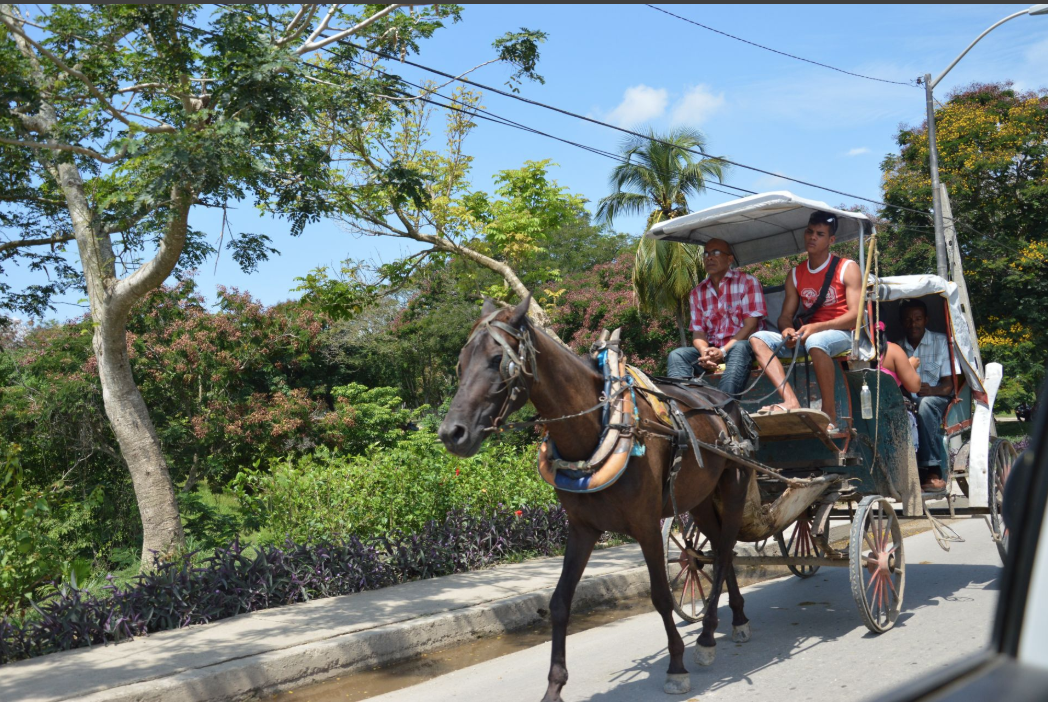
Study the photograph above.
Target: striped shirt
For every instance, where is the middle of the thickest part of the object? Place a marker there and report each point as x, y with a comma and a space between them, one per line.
934, 352
721, 313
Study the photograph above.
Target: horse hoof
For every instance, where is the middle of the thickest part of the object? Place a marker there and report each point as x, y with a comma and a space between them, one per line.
741, 633
704, 655
677, 684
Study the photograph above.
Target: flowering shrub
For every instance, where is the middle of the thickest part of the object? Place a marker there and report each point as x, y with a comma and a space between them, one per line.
236, 580
603, 298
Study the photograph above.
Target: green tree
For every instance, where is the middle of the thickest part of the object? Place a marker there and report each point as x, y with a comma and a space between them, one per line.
119, 119
993, 159
657, 177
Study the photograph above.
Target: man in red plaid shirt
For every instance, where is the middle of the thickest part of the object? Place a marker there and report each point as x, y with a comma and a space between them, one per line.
725, 309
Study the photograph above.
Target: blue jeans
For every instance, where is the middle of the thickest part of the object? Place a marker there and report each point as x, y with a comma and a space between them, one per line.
832, 342
929, 434
681, 364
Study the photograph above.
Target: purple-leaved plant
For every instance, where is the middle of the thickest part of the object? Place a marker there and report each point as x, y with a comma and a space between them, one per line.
235, 580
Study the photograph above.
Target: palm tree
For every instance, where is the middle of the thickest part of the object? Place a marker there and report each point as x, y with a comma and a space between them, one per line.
657, 177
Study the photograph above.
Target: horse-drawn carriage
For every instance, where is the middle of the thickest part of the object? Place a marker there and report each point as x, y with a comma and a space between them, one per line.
868, 470
688, 472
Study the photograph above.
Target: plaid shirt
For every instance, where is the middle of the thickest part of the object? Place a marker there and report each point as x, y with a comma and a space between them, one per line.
934, 352
721, 313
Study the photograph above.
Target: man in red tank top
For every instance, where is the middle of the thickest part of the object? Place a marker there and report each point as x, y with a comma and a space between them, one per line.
822, 330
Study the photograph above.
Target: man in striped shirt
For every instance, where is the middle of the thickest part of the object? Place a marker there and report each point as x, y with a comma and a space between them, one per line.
725, 309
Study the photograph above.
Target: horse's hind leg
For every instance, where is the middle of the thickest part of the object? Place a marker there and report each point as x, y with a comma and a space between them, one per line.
650, 540
740, 623
581, 540
732, 491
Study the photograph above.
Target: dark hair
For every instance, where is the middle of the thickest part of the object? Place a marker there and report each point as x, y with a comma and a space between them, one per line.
911, 304
820, 217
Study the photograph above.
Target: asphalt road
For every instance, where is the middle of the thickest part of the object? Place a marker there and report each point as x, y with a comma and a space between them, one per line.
808, 640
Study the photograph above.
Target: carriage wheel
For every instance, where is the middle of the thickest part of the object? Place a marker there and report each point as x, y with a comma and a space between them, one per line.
999, 462
877, 563
690, 581
801, 544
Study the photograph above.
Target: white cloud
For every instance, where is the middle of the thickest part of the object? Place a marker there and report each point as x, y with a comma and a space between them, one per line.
859, 150
639, 105
696, 106
1037, 55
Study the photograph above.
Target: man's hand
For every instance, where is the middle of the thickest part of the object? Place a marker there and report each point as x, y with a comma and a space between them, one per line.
790, 335
805, 331
715, 354
940, 390
710, 358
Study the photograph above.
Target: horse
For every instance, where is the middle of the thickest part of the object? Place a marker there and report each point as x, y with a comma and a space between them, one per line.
507, 361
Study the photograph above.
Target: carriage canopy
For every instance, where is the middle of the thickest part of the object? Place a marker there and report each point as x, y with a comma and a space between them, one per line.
771, 225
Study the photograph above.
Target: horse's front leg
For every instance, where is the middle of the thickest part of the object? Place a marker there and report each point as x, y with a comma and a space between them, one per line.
732, 491
650, 540
581, 540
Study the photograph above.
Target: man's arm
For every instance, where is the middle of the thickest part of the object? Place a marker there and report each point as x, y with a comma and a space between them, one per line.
749, 326
789, 306
852, 294
944, 388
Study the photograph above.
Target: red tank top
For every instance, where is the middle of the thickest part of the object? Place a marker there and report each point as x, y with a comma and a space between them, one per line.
809, 282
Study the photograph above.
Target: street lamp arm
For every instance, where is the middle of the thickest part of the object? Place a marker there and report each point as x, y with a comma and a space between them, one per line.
990, 29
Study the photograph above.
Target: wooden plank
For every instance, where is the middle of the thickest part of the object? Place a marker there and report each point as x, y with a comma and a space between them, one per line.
790, 423
820, 432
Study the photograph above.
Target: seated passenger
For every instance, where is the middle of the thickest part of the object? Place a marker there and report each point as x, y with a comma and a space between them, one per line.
725, 309
892, 361
826, 290
932, 398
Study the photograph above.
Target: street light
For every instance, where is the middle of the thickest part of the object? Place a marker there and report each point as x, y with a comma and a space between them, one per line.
933, 149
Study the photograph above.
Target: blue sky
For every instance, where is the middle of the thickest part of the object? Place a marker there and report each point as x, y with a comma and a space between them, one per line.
634, 66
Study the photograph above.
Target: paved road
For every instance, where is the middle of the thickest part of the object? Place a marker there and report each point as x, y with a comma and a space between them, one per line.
808, 641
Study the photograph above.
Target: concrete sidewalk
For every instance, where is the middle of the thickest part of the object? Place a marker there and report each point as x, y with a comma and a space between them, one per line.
276, 649
308, 642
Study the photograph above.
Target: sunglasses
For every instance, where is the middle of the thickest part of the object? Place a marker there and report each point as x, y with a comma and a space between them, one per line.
711, 254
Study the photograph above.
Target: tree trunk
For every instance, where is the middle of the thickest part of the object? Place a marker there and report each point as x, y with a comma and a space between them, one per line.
111, 300
678, 316
139, 445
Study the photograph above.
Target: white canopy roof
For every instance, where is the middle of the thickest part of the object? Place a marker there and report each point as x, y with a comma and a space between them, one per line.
759, 227
901, 287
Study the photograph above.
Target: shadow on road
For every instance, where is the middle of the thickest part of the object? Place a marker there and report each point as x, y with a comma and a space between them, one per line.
793, 619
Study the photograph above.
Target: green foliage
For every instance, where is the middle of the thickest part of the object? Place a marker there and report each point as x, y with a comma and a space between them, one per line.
34, 550
993, 159
328, 494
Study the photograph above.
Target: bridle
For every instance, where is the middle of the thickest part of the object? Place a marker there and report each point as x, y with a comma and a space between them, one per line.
517, 368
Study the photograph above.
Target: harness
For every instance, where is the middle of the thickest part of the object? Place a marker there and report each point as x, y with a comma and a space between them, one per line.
516, 365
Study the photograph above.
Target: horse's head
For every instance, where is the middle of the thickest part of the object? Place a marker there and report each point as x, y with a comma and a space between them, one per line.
496, 368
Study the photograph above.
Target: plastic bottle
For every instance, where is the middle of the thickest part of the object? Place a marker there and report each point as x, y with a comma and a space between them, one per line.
867, 401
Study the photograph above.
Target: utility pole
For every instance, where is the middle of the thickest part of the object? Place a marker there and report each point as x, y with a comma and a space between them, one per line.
941, 267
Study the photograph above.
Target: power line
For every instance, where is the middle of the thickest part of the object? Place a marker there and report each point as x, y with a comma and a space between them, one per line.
489, 116
781, 53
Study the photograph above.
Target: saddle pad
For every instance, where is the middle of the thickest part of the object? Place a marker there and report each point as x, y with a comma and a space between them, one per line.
641, 379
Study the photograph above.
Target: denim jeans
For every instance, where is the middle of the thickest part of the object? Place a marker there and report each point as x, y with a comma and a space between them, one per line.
930, 433
681, 364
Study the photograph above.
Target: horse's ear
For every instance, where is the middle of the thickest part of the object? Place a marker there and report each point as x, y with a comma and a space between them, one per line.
489, 307
520, 311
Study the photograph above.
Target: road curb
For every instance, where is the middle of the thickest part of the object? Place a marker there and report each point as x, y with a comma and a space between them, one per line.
296, 666
317, 661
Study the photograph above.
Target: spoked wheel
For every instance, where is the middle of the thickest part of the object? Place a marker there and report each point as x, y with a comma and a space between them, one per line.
690, 581
877, 563
801, 544
999, 463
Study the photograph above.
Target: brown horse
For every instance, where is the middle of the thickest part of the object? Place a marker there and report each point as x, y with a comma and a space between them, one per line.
493, 384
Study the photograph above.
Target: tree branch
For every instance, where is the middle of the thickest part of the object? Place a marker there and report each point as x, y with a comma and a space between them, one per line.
91, 87
56, 146
22, 243
312, 45
298, 24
